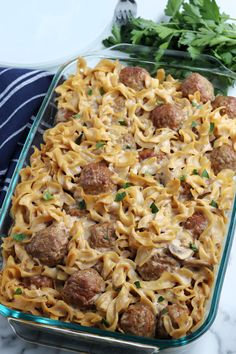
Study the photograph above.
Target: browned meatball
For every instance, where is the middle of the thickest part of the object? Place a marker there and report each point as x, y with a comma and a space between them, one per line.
49, 245
83, 287
147, 153
38, 281
102, 235
63, 115
156, 265
139, 320
95, 178
134, 77
178, 314
196, 223
167, 116
229, 104
185, 190
196, 82
223, 157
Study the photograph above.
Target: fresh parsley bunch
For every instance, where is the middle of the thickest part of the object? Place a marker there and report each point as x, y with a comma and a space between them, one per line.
195, 26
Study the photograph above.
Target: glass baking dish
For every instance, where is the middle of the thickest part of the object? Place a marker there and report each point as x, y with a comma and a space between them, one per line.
72, 336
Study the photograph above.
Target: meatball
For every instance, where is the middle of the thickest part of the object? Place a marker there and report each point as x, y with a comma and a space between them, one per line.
178, 314
134, 77
49, 245
167, 116
63, 115
102, 235
147, 153
95, 178
185, 190
38, 281
83, 287
196, 82
139, 320
223, 157
196, 223
156, 265
229, 104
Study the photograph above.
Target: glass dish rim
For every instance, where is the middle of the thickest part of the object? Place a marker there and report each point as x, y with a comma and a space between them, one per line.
216, 291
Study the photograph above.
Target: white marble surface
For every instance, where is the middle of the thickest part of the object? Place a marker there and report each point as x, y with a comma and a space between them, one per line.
221, 338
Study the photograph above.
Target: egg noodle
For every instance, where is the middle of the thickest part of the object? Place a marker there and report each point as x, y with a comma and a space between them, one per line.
147, 207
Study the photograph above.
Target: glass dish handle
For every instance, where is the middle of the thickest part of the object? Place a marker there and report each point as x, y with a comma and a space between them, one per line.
80, 342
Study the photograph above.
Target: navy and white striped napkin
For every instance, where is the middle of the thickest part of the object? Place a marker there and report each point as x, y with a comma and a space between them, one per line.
21, 94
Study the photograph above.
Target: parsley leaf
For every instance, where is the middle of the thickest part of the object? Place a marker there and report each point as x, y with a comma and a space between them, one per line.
182, 178
120, 196
105, 322
212, 127
82, 204
193, 124
90, 92
160, 299
214, 204
18, 237
123, 122
193, 247
128, 147
127, 185
77, 116
100, 144
173, 7
101, 90
137, 284
18, 291
195, 172
205, 174
164, 311
154, 208
47, 195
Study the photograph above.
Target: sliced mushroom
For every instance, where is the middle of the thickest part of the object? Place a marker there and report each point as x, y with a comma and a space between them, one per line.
179, 251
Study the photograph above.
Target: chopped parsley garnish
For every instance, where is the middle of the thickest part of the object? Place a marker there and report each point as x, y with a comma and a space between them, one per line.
77, 116
127, 185
79, 139
194, 124
82, 204
160, 299
137, 284
164, 311
100, 144
195, 172
90, 92
105, 322
128, 147
193, 247
47, 195
182, 178
212, 127
123, 122
214, 204
120, 196
205, 174
18, 291
18, 237
154, 208
195, 104
101, 90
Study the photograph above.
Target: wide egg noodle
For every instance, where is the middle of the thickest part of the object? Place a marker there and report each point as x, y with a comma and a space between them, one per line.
56, 166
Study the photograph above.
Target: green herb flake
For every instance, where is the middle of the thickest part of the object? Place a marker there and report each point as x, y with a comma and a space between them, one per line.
154, 208
18, 291
100, 144
164, 311
127, 185
77, 116
90, 92
214, 204
18, 237
120, 196
160, 299
123, 122
195, 172
47, 195
182, 178
128, 147
82, 204
198, 106
212, 127
205, 174
137, 284
79, 139
101, 90
105, 322
193, 124
193, 247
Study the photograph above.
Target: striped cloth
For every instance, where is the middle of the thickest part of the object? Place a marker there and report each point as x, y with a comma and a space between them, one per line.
21, 94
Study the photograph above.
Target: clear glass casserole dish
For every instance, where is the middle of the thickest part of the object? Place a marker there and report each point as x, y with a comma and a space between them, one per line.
92, 340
